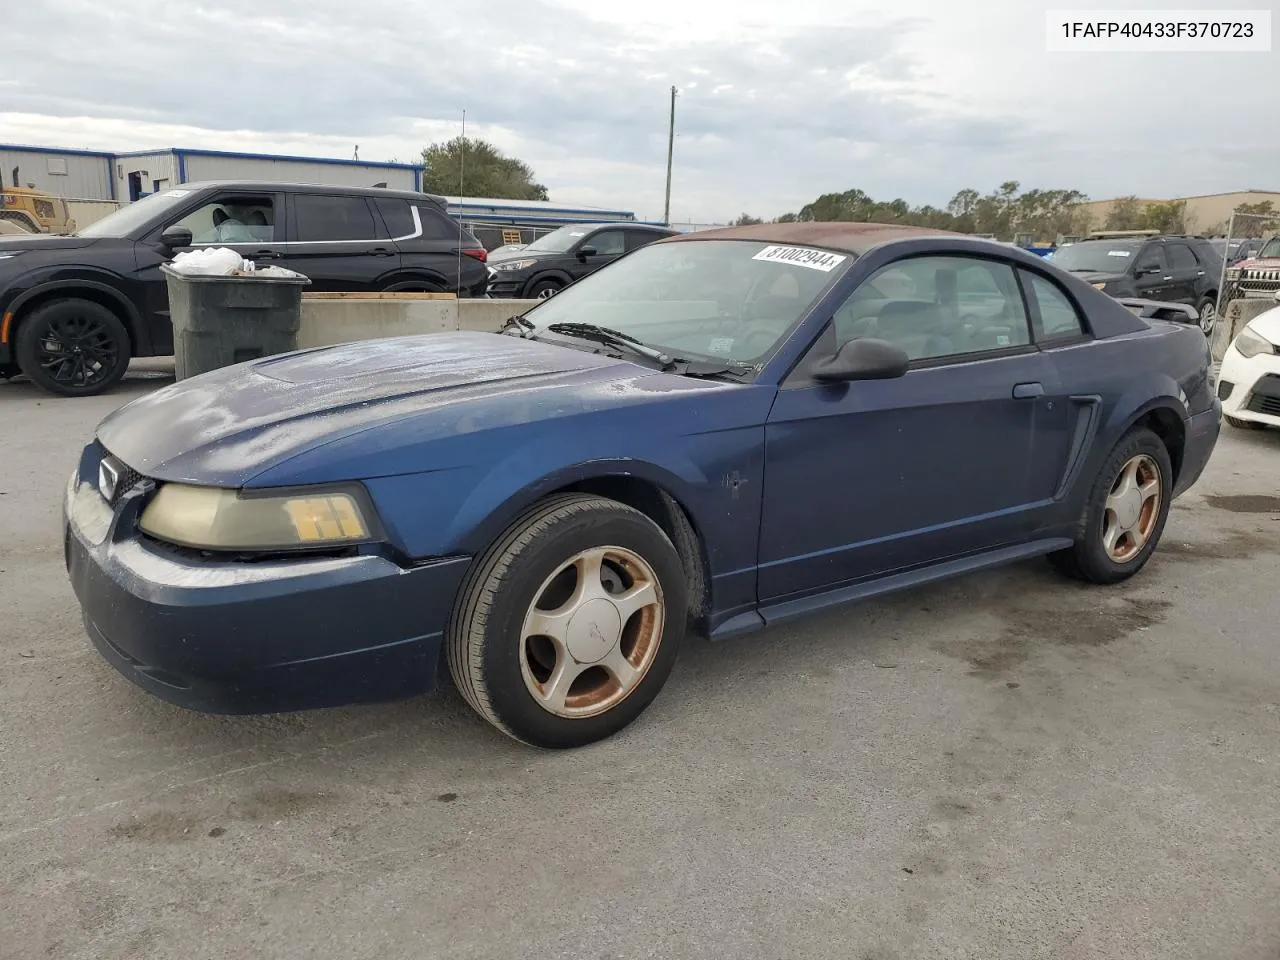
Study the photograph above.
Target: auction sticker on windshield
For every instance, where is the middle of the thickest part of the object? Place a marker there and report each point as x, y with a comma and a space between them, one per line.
802, 257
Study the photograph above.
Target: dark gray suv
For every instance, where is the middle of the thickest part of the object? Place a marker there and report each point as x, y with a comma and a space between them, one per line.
75, 309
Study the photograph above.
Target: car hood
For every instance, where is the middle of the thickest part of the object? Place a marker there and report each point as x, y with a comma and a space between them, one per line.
1095, 276
522, 255
42, 241
1258, 263
227, 426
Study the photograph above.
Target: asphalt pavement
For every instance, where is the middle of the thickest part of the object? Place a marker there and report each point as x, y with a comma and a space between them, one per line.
1004, 766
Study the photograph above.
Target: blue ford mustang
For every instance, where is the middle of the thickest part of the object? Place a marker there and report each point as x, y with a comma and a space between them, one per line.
717, 432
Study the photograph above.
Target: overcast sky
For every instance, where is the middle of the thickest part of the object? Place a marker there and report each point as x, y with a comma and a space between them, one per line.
780, 100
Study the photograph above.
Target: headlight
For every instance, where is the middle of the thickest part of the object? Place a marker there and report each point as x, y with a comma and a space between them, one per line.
509, 265
1250, 343
209, 518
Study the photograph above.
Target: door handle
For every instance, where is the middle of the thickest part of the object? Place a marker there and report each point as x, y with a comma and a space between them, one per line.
265, 255
1028, 391
380, 252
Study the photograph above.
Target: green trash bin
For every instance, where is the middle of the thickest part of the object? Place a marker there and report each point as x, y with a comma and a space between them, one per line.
221, 320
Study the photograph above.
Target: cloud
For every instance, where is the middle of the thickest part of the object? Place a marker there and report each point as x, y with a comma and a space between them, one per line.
778, 102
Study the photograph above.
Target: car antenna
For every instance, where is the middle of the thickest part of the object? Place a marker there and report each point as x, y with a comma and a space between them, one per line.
462, 182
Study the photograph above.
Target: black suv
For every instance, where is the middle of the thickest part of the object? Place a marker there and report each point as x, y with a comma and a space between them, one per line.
73, 310
1174, 269
555, 260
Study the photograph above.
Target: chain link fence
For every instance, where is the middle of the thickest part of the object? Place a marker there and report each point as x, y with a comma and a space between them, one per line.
1247, 233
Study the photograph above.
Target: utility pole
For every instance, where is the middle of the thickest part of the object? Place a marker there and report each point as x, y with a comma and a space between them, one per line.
671, 145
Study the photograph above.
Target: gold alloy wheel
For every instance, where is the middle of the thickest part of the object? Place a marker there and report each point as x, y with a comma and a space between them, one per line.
592, 632
1132, 509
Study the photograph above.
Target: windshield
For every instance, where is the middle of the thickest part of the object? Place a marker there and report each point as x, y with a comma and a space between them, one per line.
1271, 248
1096, 256
129, 218
558, 241
710, 299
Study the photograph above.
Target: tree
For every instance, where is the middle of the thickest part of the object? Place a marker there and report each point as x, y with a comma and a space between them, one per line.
1261, 209
746, 220
478, 169
1126, 214
1167, 217
1004, 212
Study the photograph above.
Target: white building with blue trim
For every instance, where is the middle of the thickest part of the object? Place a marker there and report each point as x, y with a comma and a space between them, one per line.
92, 175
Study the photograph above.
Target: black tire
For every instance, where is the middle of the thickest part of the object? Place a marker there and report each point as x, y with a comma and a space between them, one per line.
540, 289
9, 370
1207, 323
1087, 559
1244, 424
93, 349
485, 640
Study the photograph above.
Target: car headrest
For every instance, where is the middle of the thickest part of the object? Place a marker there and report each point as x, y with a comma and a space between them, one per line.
907, 315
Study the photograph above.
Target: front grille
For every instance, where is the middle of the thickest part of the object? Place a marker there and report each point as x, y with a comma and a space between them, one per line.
1260, 281
1268, 405
1224, 389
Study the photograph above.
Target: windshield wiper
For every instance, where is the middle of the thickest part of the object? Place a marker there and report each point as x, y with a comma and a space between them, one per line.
710, 368
610, 338
520, 323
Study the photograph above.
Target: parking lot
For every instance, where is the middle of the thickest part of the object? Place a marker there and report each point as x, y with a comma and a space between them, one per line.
1008, 765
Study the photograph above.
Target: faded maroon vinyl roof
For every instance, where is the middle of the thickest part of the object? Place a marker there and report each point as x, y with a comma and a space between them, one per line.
855, 238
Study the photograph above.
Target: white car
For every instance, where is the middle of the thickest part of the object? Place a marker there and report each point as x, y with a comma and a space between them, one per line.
1249, 382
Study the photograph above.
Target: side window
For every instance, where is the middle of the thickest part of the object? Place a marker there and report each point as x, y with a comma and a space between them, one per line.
639, 238
1058, 318
397, 216
936, 307
1153, 258
1181, 257
319, 218
232, 219
608, 243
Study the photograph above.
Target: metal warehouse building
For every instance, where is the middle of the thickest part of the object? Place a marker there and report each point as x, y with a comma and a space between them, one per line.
498, 222
138, 174
67, 173
95, 175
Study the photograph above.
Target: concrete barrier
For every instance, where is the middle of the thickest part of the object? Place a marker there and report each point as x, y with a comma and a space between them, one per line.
1232, 321
331, 318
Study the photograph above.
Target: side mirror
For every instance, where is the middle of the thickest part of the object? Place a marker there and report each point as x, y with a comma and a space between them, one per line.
176, 236
587, 251
864, 359
1147, 268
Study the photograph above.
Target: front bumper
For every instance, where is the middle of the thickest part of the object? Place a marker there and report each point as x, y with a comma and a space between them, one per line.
500, 286
262, 637
1251, 386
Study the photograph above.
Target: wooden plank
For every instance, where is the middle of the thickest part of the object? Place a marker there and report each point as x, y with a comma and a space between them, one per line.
387, 295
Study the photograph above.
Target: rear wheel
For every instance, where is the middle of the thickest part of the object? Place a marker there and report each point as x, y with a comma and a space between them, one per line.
568, 626
1125, 514
74, 348
1208, 311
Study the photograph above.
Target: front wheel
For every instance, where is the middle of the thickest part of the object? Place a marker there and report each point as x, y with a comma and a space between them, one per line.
568, 626
543, 289
1125, 514
72, 347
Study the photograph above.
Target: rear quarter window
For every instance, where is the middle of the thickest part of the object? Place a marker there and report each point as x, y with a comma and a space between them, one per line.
437, 225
